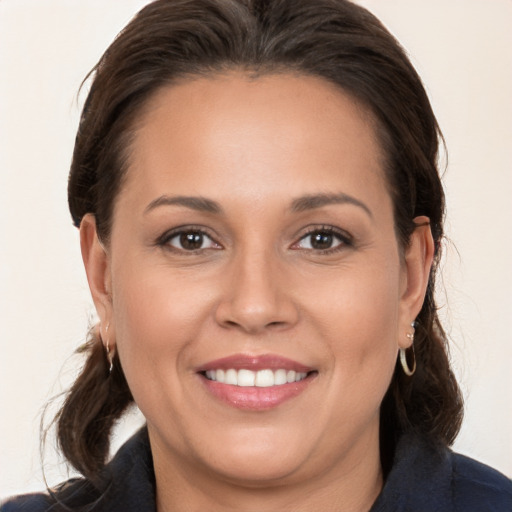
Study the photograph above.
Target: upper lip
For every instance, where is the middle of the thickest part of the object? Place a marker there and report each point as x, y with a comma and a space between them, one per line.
255, 363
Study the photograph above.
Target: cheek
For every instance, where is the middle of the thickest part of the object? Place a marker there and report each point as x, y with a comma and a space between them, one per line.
151, 299
362, 299
360, 323
157, 319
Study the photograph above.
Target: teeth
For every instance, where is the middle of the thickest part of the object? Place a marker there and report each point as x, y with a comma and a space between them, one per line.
264, 379
259, 379
246, 378
280, 377
231, 377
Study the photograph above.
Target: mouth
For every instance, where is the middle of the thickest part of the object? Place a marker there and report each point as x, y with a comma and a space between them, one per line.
261, 379
255, 382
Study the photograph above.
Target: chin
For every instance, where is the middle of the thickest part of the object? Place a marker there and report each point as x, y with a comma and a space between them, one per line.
258, 470
257, 457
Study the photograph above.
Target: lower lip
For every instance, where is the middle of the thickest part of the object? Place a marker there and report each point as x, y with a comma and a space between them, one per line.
256, 398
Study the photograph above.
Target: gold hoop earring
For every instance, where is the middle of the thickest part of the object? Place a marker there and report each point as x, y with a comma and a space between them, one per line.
110, 353
403, 355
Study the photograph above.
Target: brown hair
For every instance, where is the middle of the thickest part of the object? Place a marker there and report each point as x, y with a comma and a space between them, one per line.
333, 39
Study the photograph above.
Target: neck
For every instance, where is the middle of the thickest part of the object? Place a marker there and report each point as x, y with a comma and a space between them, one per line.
350, 485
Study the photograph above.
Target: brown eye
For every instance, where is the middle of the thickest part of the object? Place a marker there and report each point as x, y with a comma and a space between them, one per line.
191, 241
323, 240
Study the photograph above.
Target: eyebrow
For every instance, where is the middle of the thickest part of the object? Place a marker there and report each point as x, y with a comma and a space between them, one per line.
301, 204
310, 202
200, 204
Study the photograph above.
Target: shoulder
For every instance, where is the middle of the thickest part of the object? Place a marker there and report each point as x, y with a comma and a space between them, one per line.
28, 502
429, 477
475, 484
72, 494
127, 484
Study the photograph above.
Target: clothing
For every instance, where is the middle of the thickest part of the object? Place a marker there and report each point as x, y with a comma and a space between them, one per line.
423, 478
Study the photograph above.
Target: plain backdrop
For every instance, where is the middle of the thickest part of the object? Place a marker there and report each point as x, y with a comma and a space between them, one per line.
463, 51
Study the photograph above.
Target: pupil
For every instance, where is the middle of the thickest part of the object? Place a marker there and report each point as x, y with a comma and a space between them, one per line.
321, 241
191, 241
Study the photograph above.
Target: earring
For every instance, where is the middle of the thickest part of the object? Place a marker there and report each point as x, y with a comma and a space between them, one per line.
110, 353
403, 355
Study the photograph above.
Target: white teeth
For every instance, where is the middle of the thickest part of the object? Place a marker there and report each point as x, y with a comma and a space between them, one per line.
246, 378
280, 377
231, 377
264, 379
261, 379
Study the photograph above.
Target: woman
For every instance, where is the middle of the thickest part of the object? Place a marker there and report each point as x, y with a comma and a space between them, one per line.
260, 215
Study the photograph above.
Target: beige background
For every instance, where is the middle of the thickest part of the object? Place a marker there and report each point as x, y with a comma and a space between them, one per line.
462, 49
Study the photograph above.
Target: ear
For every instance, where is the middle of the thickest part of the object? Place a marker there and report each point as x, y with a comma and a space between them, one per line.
419, 255
97, 268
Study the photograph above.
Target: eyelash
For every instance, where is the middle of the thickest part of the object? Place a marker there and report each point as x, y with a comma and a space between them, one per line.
345, 240
165, 239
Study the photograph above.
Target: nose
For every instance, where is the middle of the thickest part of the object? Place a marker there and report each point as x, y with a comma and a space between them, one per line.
256, 297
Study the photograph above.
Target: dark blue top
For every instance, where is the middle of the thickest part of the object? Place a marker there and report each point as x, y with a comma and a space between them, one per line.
423, 478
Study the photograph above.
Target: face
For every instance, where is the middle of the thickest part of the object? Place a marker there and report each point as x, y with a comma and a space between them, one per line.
253, 283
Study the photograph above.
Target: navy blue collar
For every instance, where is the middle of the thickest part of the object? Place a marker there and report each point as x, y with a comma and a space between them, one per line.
424, 478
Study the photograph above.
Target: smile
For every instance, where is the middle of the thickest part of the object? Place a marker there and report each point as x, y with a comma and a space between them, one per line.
255, 382
261, 379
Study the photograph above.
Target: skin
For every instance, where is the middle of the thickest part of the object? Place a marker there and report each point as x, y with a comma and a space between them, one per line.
257, 286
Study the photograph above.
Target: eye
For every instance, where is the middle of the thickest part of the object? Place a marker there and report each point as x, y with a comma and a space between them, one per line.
324, 239
189, 240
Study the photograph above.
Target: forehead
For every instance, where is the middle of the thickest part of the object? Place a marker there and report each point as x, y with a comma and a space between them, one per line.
235, 133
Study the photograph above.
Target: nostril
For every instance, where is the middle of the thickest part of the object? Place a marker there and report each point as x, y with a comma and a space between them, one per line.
254, 311
275, 324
